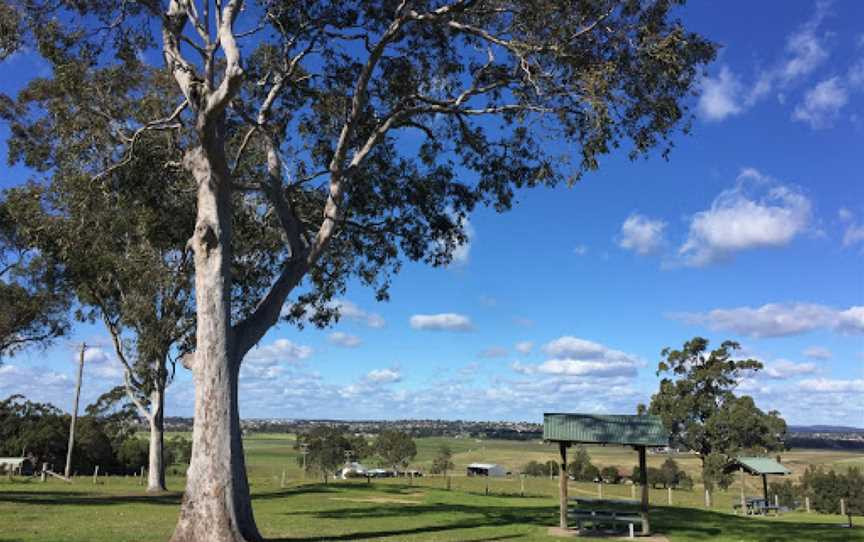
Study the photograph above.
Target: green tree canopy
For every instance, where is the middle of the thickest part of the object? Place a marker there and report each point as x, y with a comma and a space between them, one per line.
443, 461
697, 403
325, 449
395, 448
33, 298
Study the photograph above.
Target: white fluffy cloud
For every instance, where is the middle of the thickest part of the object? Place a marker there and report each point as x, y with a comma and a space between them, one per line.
720, 96
447, 321
354, 313
98, 363
826, 385
641, 234
805, 48
575, 357
779, 319
345, 340
783, 369
462, 253
854, 232
384, 376
577, 367
758, 212
822, 104
726, 95
279, 351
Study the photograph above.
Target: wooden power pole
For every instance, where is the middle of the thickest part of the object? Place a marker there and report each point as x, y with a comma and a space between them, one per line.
68, 471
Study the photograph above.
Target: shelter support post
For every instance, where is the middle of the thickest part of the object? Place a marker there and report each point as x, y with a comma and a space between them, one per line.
643, 481
765, 487
743, 498
562, 486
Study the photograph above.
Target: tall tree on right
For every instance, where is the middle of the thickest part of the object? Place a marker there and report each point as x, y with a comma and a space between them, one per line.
698, 406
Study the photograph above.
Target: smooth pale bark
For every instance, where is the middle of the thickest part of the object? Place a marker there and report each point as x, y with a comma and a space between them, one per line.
156, 459
216, 504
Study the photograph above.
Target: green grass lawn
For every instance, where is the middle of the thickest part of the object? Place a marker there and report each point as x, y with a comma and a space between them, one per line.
118, 510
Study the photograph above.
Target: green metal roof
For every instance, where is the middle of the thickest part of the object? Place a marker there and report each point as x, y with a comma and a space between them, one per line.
605, 429
758, 465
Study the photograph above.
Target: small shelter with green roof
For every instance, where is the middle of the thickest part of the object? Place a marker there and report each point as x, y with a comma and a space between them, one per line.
640, 432
756, 466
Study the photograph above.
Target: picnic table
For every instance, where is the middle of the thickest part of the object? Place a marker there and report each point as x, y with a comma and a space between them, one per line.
756, 506
610, 518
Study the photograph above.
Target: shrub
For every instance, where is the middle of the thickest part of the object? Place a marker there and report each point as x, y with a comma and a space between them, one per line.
610, 475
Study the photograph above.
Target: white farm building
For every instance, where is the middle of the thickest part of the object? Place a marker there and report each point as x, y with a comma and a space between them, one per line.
485, 469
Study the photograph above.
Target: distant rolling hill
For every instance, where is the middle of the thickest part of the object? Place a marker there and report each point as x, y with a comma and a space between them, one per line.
824, 429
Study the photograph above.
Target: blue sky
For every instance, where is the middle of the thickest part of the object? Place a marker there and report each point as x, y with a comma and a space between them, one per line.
752, 231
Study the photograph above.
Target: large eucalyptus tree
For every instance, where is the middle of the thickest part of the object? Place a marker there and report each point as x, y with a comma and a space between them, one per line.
368, 130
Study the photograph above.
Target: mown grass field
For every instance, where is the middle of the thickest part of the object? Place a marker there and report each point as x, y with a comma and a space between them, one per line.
118, 510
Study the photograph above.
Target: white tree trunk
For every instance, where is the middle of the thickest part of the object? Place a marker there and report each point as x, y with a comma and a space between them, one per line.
216, 505
156, 468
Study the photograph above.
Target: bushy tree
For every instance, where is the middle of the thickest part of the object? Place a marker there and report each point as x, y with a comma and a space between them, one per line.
788, 494
697, 403
714, 472
535, 468
325, 449
609, 474
579, 466
39, 430
395, 449
443, 461
316, 102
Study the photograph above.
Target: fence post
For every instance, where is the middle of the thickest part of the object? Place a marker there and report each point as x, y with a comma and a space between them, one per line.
44, 472
633, 490
95, 474
777, 500
842, 507
807, 504
600, 489
669, 495
282, 481
707, 498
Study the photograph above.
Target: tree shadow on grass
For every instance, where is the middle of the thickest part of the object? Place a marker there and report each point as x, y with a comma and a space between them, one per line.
67, 498
432, 518
689, 523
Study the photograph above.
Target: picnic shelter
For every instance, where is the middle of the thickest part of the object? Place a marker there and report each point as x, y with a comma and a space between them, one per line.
757, 466
638, 431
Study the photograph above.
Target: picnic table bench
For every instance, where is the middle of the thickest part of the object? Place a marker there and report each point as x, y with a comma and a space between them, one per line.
755, 506
598, 518
609, 518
